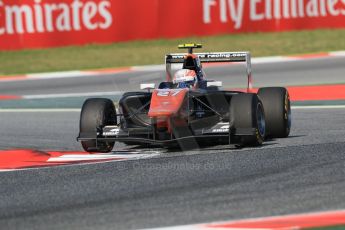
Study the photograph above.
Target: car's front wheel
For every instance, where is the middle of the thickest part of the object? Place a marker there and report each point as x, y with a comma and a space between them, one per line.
96, 113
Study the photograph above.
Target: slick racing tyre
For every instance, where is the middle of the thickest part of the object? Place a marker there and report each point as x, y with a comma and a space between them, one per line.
277, 106
97, 112
247, 118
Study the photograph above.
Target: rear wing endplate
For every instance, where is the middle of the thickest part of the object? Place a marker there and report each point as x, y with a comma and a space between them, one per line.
225, 57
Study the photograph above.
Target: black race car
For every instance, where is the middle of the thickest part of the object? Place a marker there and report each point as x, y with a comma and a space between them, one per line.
187, 110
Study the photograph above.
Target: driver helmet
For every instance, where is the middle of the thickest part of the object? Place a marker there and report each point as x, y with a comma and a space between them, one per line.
185, 78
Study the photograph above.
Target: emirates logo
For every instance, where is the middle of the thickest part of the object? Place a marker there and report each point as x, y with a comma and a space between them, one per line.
43, 17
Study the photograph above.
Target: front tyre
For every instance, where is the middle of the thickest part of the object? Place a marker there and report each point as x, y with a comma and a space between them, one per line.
97, 113
247, 118
276, 101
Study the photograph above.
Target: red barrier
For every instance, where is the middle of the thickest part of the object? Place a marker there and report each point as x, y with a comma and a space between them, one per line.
51, 23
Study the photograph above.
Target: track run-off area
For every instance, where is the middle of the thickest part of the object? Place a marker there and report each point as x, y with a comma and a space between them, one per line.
47, 181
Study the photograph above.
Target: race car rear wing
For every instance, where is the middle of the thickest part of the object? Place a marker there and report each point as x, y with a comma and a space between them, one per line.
211, 58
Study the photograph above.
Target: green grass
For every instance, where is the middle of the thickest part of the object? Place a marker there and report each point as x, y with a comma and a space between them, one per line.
152, 52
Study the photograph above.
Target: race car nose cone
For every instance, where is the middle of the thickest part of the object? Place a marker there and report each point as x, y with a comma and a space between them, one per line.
166, 102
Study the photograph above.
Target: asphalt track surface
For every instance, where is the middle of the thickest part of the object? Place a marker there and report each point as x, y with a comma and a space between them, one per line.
302, 173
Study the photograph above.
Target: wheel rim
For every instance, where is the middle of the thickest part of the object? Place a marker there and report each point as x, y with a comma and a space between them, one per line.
261, 120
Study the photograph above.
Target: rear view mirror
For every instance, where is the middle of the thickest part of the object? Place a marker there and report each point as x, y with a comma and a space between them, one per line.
147, 86
214, 83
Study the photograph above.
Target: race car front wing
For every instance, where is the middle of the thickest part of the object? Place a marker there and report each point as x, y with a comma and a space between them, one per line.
146, 135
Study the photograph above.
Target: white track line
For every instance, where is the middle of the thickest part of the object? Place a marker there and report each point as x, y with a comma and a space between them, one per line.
201, 227
319, 107
90, 157
64, 95
85, 162
39, 110
277, 59
149, 68
281, 218
337, 54
55, 75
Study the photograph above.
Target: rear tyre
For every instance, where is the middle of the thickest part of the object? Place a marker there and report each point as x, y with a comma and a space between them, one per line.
95, 113
247, 119
277, 106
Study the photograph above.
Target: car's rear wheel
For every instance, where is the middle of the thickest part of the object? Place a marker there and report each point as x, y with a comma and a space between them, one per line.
277, 106
247, 120
97, 113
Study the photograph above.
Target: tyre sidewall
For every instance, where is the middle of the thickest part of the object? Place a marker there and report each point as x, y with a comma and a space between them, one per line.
276, 101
